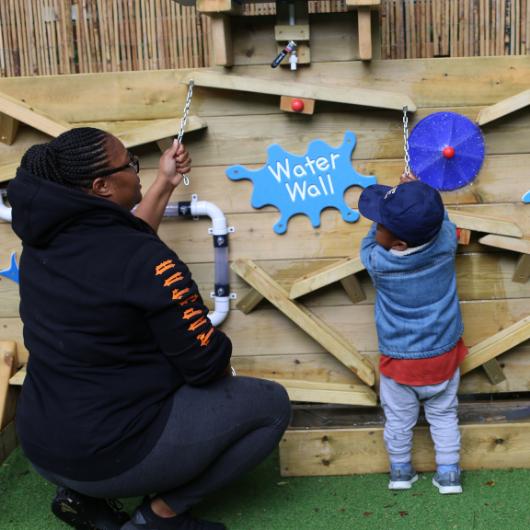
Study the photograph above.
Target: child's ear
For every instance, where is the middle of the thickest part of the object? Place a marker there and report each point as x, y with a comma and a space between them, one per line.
399, 245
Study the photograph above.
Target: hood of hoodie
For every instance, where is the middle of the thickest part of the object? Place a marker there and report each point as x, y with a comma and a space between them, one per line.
42, 209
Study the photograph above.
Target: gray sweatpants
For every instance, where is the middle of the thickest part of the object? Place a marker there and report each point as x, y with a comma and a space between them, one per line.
401, 404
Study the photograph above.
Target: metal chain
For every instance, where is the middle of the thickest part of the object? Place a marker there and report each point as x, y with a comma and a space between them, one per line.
406, 172
183, 122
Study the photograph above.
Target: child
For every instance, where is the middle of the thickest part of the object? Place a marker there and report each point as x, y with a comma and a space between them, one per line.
410, 255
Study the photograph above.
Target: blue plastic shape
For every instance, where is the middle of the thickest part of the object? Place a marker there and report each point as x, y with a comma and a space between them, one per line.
526, 197
305, 184
431, 136
11, 272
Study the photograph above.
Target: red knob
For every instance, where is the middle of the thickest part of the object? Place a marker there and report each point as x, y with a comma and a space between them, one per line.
448, 151
297, 105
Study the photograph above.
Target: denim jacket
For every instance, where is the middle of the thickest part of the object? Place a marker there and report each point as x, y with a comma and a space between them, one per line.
417, 312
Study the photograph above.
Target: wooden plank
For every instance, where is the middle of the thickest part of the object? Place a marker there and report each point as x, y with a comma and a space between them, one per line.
495, 345
506, 243
18, 110
351, 96
504, 107
298, 32
249, 302
494, 371
522, 269
8, 359
218, 6
17, 379
312, 325
8, 129
485, 224
318, 452
327, 275
364, 28
325, 392
352, 4
123, 95
353, 289
221, 40
157, 129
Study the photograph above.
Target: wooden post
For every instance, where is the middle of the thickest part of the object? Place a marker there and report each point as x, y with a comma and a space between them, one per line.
522, 269
8, 129
353, 288
494, 371
364, 25
221, 40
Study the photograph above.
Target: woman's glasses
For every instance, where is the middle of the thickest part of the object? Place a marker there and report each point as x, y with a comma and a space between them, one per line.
134, 162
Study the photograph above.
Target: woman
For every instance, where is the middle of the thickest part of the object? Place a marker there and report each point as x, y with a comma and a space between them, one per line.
127, 391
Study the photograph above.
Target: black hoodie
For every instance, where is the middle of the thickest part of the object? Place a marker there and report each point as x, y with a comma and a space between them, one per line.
114, 325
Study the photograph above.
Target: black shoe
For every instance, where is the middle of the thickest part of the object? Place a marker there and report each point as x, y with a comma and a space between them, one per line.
87, 513
145, 519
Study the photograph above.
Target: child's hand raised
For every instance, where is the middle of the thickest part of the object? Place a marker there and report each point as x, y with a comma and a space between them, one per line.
407, 177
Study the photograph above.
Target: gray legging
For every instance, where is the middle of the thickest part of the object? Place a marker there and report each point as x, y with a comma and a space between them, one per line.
214, 434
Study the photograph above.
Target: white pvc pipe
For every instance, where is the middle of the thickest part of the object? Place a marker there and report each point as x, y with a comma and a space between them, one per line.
219, 228
203, 208
5, 211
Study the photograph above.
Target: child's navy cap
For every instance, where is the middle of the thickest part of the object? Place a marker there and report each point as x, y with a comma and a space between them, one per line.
412, 211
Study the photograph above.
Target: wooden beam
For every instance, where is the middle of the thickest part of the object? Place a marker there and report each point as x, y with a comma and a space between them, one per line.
37, 119
497, 344
298, 32
325, 392
348, 95
221, 38
209, 7
494, 371
353, 4
318, 452
506, 243
353, 289
332, 273
522, 269
504, 107
8, 351
364, 28
479, 223
249, 301
18, 378
157, 129
8, 129
316, 328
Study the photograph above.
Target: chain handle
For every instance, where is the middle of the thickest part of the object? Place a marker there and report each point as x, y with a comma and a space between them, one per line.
406, 172
183, 122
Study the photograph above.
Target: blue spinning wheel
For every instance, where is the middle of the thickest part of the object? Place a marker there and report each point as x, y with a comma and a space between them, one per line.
446, 150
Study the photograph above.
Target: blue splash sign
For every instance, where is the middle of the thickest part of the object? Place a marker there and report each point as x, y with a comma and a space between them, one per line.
305, 184
526, 197
11, 273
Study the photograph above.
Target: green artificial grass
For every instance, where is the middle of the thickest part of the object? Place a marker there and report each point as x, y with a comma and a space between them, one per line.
262, 500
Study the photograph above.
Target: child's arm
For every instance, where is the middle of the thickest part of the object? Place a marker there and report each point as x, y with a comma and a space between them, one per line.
367, 246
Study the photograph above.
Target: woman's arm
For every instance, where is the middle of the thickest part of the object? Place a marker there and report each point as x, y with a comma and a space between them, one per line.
174, 162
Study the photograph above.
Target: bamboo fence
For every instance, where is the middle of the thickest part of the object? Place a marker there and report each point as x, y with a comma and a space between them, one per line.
43, 37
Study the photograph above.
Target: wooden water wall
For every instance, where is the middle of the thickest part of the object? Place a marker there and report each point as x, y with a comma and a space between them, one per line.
241, 126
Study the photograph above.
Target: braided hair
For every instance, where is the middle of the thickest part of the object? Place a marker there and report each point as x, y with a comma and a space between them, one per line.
75, 158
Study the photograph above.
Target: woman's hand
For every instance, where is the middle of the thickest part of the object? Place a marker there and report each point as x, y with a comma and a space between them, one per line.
174, 163
407, 177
